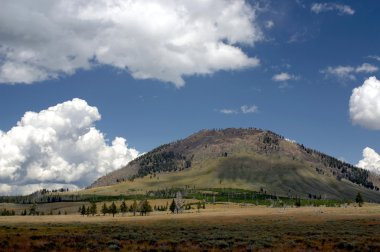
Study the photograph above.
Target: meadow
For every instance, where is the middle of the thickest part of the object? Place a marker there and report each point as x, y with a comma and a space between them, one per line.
219, 227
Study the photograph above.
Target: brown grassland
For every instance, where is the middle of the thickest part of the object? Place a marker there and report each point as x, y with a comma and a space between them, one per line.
220, 227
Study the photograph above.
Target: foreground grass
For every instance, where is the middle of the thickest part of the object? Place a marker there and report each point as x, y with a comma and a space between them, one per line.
228, 228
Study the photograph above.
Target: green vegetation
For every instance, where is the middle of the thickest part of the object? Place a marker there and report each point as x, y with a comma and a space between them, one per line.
145, 207
113, 209
190, 197
359, 199
172, 206
104, 209
83, 210
93, 209
133, 208
123, 207
6, 212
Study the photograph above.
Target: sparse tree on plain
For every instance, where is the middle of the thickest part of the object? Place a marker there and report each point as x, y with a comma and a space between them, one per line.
172, 206
145, 207
123, 207
113, 209
83, 210
104, 209
133, 208
359, 199
93, 208
33, 209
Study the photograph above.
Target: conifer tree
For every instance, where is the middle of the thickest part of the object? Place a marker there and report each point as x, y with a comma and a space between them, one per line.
133, 208
113, 209
83, 210
93, 208
145, 207
123, 207
104, 209
359, 199
172, 206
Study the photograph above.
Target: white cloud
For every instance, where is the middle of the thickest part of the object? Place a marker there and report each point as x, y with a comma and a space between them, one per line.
370, 161
269, 24
284, 77
375, 57
325, 7
228, 111
245, 109
348, 72
365, 104
366, 68
58, 147
340, 72
151, 39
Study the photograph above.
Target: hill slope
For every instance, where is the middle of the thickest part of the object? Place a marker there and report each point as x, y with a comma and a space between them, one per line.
241, 158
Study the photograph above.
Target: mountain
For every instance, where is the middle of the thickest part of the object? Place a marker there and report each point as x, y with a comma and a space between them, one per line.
251, 159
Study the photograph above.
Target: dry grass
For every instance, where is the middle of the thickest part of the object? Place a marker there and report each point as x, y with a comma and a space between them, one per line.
219, 227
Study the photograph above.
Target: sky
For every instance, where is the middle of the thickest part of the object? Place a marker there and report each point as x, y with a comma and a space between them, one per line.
86, 86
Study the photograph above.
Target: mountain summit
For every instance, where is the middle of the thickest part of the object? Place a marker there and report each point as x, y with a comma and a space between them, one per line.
250, 158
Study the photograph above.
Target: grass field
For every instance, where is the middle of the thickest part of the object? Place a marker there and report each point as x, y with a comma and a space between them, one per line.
219, 227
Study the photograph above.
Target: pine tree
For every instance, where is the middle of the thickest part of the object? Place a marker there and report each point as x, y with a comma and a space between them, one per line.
113, 209
172, 206
359, 199
104, 209
93, 208
33, 209
145, 207
123, 207
133, 208
83, 210
88, 211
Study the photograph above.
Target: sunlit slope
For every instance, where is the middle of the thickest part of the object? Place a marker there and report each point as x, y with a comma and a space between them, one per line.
240, 158
281, 177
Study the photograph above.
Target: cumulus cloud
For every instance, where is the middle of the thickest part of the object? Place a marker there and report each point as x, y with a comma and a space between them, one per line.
284, 77
348, 72
58, 147
245, 109
364, 104
370, 161
150, 39
325, 7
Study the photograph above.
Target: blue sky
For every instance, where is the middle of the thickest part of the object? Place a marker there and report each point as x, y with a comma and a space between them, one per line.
319, 50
